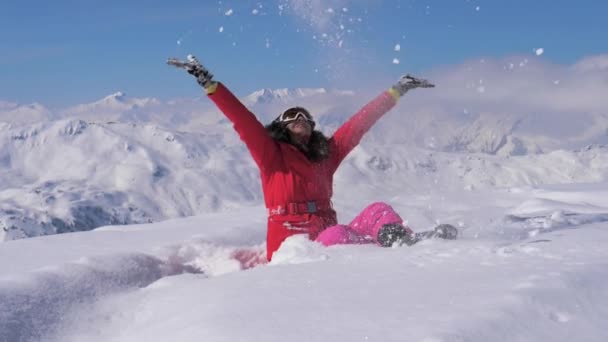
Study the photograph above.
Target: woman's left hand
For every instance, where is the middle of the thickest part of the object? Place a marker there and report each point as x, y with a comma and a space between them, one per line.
407, 82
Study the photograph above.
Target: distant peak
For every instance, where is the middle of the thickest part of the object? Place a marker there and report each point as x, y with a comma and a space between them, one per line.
282, 94
34, 105
116, 95
117, 98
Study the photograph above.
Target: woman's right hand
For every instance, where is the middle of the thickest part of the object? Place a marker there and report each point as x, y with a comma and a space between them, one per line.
196, 69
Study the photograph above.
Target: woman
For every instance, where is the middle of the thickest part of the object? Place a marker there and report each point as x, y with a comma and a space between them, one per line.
297, 164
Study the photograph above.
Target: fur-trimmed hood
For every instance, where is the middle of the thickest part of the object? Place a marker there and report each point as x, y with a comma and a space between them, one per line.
318, 145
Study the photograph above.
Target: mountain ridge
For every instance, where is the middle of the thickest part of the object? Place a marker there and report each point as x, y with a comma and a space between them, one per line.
71, 175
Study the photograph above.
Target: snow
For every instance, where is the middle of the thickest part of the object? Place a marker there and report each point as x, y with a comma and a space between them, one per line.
283, 94
539, 51
185, 279
163, 224
530, 263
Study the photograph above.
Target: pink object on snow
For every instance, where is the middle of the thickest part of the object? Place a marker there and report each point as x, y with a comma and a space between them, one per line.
363, 229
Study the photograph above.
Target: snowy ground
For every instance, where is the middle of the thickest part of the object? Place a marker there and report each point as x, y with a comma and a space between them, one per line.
531, 265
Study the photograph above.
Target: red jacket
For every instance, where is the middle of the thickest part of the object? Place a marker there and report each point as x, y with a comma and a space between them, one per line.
293, 185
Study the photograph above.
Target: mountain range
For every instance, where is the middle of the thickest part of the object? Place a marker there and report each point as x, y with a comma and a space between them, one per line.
124, 160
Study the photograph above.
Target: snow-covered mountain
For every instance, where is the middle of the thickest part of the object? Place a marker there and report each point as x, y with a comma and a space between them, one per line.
71, 175
288, 95
114, 107
285, 95
24, 114
425, 120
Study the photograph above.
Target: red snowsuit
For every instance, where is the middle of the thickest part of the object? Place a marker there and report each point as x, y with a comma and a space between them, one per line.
297, 192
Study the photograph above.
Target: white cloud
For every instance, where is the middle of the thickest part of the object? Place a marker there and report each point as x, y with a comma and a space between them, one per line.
556, 106
599, 63
528, 87
7, 105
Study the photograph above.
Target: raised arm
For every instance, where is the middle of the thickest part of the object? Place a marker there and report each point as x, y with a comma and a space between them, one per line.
261, 146
348, 136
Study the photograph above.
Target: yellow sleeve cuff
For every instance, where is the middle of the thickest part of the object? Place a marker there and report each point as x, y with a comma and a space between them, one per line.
395, 94
211, 88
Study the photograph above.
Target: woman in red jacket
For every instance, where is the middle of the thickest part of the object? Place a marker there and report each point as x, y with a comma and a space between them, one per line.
297, 165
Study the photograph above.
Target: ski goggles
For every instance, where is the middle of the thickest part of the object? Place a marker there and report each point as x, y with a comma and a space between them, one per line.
294, 114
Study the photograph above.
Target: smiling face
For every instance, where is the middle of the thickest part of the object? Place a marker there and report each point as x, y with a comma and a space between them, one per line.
299, 130
298, 123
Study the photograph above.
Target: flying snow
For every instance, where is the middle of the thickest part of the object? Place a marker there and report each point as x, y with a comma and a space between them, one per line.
539, 51
481, 88
397, 47
229, 12
395, 61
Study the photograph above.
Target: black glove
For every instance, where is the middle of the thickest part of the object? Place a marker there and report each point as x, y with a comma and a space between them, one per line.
407, 82
196, 69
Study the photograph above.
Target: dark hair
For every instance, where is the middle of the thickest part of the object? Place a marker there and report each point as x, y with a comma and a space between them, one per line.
318, 144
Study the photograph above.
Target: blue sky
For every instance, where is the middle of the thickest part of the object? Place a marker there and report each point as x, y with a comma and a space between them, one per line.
63, 52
